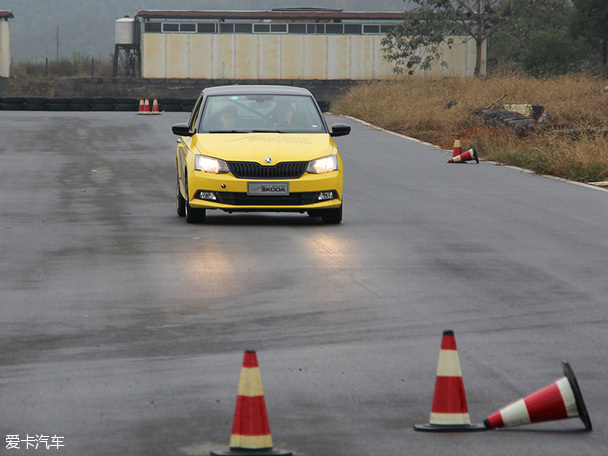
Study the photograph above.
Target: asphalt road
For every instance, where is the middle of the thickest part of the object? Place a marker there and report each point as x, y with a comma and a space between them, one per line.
123, 328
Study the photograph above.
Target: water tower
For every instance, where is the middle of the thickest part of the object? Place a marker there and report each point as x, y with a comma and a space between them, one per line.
127, 49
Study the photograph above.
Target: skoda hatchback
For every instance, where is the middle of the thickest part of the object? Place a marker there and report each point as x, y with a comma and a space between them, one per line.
258, 148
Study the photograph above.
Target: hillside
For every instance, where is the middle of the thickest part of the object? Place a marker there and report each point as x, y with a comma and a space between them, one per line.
86, 27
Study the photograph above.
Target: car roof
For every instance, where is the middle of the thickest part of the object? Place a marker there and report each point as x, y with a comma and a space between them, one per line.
256, 90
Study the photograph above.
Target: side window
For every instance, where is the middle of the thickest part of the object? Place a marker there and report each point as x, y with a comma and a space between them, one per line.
194, 115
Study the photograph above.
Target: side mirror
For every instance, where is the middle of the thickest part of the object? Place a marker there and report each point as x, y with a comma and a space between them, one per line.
340, 129
181, 129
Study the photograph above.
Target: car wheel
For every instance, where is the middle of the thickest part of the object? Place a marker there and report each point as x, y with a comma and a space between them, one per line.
192, 215
181, 202
333, 216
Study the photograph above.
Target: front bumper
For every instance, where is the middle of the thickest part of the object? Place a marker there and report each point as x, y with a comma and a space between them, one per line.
227, 193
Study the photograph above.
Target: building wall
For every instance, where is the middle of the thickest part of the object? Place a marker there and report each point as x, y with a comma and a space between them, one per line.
277, 56
5, 54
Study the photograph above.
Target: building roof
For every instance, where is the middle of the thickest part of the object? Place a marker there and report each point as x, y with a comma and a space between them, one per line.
284, 14
6, 15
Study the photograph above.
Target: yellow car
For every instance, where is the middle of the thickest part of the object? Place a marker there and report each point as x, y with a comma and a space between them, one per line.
258, 148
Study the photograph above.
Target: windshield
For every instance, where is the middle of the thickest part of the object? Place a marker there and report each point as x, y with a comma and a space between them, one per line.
261, 113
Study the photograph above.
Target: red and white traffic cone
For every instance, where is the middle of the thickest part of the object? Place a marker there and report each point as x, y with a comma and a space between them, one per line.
457, 147
557, 401
146, 106
449, 412
155, 109
141, 106
250, 429
469, 155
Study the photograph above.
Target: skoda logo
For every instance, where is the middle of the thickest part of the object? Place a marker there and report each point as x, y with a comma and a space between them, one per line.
268, 160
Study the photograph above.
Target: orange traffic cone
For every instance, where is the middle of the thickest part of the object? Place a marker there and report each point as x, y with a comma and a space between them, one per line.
457, 147
250, 429
557, 401
155, 109
449, 411
469, 155
141, 106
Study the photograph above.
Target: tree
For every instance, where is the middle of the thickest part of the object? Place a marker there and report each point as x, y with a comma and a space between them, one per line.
418, 41
538, 41
590, 21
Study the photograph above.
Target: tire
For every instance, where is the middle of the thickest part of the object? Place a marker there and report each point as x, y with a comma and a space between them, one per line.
102, 104
81, 104
187, 105
13, 103
170, 104
180, 201
195, 215
126, 104
332, 216
192, 215
59, 104
35, 103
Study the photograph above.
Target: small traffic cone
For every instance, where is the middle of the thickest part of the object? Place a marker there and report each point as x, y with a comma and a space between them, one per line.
155, 109
146, 106
469, 155
557, 401
449, 412
141, 106
457, 147
250, 429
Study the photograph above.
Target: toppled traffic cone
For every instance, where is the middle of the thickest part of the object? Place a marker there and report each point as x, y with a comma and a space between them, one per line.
155, 109
141, 106
557, 401
469, 155
457, 147
449, 412
250, 429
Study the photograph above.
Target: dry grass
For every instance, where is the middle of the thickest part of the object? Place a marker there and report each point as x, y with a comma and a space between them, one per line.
418, 107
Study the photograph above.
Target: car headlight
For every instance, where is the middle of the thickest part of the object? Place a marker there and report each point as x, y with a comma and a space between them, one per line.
210, 165
323, 165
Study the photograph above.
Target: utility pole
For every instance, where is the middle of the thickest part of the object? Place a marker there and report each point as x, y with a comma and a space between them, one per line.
58, 43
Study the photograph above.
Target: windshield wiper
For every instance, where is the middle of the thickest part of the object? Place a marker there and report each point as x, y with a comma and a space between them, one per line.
229, 131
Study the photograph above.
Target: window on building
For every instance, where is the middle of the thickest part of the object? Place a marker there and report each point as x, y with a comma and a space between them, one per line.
187, 28
207, 27
261, 28
242, 28
297, 28
334, 29
226, 28
168, 27
352, 29
278, 28
153, 27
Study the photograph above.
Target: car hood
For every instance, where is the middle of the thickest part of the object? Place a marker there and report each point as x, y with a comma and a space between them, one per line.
257, 147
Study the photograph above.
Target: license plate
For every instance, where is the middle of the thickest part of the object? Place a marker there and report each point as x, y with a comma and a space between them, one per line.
268, 188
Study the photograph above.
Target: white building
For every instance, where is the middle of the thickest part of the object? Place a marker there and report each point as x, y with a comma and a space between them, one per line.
277, 44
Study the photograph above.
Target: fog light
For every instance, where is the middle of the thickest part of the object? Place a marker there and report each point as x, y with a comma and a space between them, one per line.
204, 195
324, 196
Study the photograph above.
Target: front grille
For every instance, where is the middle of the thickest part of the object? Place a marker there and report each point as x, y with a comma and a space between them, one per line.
242, 199
252, 170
